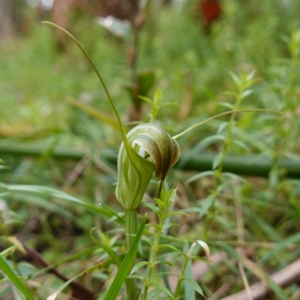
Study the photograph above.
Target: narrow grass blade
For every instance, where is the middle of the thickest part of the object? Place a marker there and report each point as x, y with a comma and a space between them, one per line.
126, 265
12, 276
189, 292
293, 239
54, 295
195, 286
257, 271
107, 249
84, 253
163, 289
95, 113
47, 191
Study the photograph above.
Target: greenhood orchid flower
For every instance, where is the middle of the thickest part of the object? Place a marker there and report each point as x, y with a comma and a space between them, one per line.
148, 149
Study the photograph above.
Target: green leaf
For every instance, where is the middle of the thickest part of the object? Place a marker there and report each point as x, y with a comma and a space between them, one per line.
205, 204
217, 160
135, 276
161, 204
107, 249
4, 167
147, 100
40, 201
235, 78
188, 287
175, 274
212, 139
242, 145
168, 246
47, 191
163, 289
234, 176
250, 76
165, 262
246, 93
153, 294
168, 225
226, 104
154, 225
252, 140
148, 241
138, 266
173, 213
153, 207
293, 239
126, 265
200, 175
15, 279
222, 127
84, 253
195, 285
157, 97
87, 271
7, 250
168, 196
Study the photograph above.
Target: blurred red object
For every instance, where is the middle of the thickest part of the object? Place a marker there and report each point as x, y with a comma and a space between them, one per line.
210, 11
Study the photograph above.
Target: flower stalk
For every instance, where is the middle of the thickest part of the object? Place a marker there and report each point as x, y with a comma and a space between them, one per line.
130, 226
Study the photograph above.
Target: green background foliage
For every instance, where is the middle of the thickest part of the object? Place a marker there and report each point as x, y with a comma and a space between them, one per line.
53, 103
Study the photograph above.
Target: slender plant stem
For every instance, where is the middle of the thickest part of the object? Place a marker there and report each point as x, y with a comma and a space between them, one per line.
219, 170
224, 114
130, 226
181, 277
159, 233
130, 231
160, 188
152, 260
158, 196
122, 129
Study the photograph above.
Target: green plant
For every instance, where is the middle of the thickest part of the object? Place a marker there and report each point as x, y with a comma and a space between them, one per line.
145, 149
129, 194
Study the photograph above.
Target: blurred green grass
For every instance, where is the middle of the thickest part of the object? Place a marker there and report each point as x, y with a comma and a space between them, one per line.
189, 66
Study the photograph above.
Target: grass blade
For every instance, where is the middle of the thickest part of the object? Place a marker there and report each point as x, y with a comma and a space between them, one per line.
107, 249
95, 113
126, 265
14, 278
257, 271
48, 191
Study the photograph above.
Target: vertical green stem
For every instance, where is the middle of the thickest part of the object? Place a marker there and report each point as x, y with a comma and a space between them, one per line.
152, 260
130, 231
130, 226
218, 172
181, 277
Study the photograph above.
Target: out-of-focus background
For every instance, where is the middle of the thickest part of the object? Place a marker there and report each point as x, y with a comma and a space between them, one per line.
58, 130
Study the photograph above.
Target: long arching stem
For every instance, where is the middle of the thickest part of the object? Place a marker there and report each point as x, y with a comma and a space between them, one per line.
224, 114
97, 72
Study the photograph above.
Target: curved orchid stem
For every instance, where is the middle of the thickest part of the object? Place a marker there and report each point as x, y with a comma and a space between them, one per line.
122, 129
224, 114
